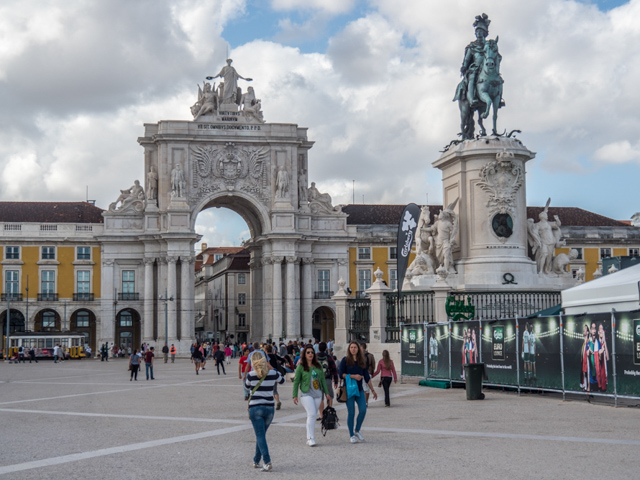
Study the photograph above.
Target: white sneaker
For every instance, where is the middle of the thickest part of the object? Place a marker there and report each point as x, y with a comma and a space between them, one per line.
353, 439
311, 442
360, 437
266, 467
256, 465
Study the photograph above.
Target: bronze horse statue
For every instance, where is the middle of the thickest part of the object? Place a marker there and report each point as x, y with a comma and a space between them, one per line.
488, 92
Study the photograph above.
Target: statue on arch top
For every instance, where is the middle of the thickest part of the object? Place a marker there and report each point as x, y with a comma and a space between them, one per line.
231, 94
481, 86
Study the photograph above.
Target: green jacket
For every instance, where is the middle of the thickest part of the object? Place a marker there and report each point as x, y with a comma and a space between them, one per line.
302, 379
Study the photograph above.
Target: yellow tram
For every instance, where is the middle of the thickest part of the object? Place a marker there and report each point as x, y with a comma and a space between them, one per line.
43, 343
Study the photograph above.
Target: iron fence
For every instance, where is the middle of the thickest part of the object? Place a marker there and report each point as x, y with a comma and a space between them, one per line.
491, 305
359, 320
414, 307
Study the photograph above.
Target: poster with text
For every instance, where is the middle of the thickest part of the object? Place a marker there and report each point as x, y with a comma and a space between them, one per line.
628, 353
437, 346
588, 361
539, 352
499, 351
412, 350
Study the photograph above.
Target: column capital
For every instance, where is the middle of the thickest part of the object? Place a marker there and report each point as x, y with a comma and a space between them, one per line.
277, 260
342, 262
148, 261
266, 260
189, 260
162, 260
307, 260
172, 259
292, 259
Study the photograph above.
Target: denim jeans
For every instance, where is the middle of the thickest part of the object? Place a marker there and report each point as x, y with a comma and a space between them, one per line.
149, 366
261, 418
351, 411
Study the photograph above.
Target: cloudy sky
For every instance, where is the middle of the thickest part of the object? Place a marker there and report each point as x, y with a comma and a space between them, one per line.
372, 80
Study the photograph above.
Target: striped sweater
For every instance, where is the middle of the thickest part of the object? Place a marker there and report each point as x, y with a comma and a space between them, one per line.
263, 396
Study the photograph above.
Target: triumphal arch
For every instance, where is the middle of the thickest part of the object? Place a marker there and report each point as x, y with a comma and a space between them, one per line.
226, 156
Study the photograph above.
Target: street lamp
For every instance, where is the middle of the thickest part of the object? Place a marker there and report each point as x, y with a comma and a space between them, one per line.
165, 298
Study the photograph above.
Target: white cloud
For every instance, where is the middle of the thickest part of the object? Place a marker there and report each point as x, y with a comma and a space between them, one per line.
618, 152
333, 7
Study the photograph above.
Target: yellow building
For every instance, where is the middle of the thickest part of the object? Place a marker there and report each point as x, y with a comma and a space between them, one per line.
50, 262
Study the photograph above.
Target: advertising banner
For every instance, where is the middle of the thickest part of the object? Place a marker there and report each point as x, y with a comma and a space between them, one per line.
438, 351
406, 234
465, 347
587, 353
499, 351
628, 353
539, 347
412, 350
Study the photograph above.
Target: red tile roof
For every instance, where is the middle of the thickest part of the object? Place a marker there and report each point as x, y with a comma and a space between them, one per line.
50, 212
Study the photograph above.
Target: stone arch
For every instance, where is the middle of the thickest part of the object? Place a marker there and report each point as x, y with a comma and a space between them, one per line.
324, 323
17, 323
47, 320
255, 214
127, 332
83, 321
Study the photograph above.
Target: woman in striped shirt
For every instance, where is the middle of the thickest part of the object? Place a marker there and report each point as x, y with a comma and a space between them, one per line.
262, 378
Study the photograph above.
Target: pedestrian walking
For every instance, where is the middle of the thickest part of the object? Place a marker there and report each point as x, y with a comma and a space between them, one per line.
260, 382
172, 352
228, 352
353, 368
218, 356
134, 364
21, 354
196, 358
330, 374
243, 369
55, 353
165, 353
387, 371
148, 363
370, 362
309, 379
276, 362
32, 354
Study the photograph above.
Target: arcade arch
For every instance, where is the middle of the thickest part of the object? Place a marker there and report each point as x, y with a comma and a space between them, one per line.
17, 323
84, 321
324, 323
127, 333
47, 320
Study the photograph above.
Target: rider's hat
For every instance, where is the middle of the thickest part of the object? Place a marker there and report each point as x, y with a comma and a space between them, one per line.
482, 22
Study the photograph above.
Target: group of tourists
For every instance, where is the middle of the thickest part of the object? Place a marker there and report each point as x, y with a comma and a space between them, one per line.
221, 354
316, 378
145, 353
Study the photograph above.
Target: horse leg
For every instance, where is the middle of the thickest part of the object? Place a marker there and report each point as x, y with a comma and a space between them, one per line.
486, 99
483, 131
496, 103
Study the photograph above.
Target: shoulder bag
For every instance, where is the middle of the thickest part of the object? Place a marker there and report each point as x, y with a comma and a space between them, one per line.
254, 391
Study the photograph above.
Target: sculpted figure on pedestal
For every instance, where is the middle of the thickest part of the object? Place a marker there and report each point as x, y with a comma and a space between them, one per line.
230, 93
251, 106
178, 185
445, 229
425, 261
560, 261
320, 202
282, 183
131, 199
152, 184
544, 238
481, 86
207, 101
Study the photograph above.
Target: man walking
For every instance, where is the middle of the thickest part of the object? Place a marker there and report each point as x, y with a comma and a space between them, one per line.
148, 362
55, 353
165, 353
218, 356
172, 351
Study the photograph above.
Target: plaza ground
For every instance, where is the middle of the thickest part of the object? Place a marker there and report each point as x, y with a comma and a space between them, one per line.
85, 419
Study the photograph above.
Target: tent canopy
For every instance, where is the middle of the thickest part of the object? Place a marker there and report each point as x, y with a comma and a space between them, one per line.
620, 290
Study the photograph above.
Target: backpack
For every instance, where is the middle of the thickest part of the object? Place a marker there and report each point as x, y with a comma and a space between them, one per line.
329, 420
324, 363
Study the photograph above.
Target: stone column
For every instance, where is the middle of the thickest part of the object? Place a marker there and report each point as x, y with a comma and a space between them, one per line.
107, 322
187, 327
147, 321
377, 333
342, 320
276, 298
307, 297
267, 302
171, 292
293, 292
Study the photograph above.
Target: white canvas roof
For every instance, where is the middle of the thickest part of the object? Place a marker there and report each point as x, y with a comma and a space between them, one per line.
620, 290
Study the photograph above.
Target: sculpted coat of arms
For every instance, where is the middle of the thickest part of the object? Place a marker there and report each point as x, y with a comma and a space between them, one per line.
502, 179
229, 168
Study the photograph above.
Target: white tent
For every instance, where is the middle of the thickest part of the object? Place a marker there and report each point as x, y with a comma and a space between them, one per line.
619, 290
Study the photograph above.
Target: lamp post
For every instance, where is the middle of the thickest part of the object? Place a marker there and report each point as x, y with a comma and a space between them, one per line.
165, 298
8, 320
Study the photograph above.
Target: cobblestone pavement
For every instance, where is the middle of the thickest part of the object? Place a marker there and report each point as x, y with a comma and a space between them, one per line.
84, 419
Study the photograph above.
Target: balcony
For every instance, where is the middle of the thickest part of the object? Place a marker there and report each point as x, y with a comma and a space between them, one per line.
47, 297
322, 295
14, 297
129, 296
83, 297
242, 328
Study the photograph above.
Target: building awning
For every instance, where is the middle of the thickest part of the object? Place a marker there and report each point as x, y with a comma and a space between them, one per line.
547, 312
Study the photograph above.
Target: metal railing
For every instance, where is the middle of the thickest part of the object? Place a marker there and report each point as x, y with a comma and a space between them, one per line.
322, 295
47, 297
359, 320
242, 328
414, 307
14, 297
128, 296
83, 297
362, 294
495, 305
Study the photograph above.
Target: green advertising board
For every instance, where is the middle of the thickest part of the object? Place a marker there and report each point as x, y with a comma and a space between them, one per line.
628, 353
539, 357
412, 350
437, 343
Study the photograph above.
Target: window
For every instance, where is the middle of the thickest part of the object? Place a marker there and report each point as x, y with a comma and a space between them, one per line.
12, 282
13, 253
364, 253
217, 256
605, 253
48, 282
83, 282
48, 321
242, 299
48, 253
128, 281
126, 320
324, 280
84, 253
579, 250
634, 252
242, 319
242, 278
393, 279
364, 279
393, 253
82, 319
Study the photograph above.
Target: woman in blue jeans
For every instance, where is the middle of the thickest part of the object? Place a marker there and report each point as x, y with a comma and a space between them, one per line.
261, 405
354, 365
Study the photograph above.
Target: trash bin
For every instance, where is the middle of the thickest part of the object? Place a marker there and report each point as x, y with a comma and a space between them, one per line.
473, 373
